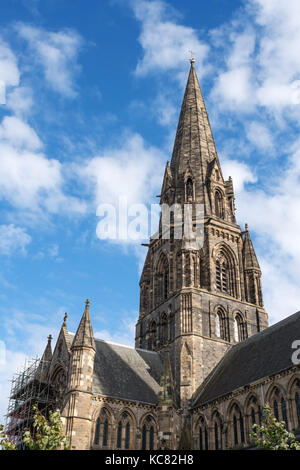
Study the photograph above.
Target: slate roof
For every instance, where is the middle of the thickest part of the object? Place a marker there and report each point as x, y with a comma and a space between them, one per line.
263, 354
126, 373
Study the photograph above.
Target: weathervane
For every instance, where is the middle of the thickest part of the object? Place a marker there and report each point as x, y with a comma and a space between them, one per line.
192, 59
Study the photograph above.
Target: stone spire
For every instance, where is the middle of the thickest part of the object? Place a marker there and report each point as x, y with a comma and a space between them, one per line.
47, 356
84, 337
44, 365
250, 259
194, 143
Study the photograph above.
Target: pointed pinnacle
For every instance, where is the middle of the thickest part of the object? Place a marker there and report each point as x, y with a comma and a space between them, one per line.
65, 319
49, 339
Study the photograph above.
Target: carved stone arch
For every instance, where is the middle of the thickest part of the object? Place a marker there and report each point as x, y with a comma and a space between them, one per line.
179, 268
219, 202
293, 397
226, 273
201, 433
240, 330
58, 381
161, 278
221, 322
236, 424
247, 402
102, 428
217, 429
277, 399
97, 411
149, 431
271, 390
253, 413
126, 429
293, 380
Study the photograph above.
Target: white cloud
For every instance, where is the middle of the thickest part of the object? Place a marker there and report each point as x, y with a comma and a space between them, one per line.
259, 135
13, 239
20, 100
13, 361
166, 44
272, 215
132, 170
125, 334
9, 72
28, 179
57, 53
19, 134
261, 57
240, 172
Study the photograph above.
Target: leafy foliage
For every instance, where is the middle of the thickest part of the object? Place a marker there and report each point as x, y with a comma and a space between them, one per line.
272, 434
5, 443
47, 434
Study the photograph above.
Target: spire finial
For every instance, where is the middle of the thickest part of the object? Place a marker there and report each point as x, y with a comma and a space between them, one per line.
246, 227
192, 59
87, 304
49, 339
65, 319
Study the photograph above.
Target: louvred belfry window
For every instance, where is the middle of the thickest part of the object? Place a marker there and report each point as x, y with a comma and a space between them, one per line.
219, 205
226, 271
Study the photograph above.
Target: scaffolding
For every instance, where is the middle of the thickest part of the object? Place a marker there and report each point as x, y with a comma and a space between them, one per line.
29, 387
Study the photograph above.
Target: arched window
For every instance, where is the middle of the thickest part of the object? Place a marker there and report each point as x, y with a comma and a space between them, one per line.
217, 441
144, 437
235, 431
97, 432
103, 429
124, 432
219, 205
226, 278
222, 277
119, 435
253, 420
202, 434
221, 325
105, 433
151, 438
148, 433
152, 340
217, 431
296, 396
276, 409
239, 333
297, 401
284, 412
253, 413
279, 406
127, 435
161, 280
164, 329
238, 432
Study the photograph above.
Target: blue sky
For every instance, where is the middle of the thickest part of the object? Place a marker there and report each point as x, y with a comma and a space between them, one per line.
94, 88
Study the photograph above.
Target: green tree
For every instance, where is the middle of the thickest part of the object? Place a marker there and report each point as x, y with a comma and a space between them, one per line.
5, 443
47, 434
272, 434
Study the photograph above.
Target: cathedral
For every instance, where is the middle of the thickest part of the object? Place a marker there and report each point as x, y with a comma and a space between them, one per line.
205, 361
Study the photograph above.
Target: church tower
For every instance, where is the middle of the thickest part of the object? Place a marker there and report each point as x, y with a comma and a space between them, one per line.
197, 300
